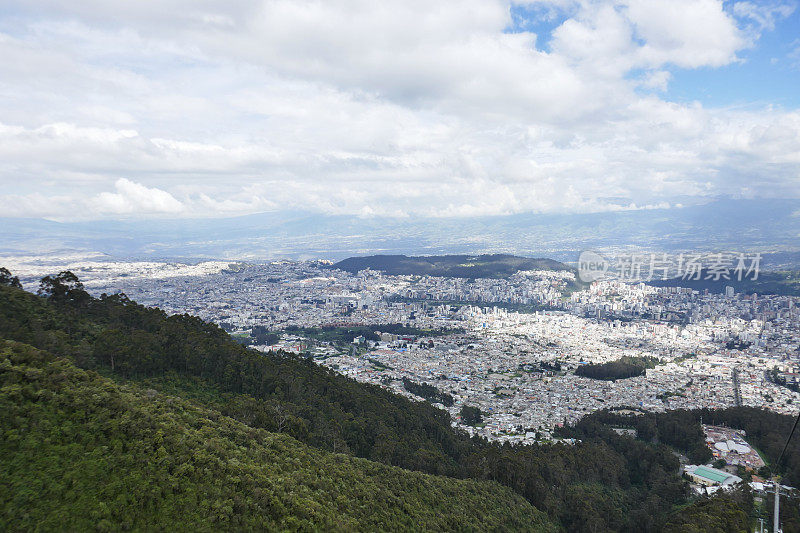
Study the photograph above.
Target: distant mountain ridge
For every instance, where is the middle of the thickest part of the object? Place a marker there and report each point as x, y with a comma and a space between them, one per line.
782, 283
457, 266
723, 224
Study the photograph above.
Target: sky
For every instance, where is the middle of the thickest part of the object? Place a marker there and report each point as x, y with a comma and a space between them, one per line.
195, 109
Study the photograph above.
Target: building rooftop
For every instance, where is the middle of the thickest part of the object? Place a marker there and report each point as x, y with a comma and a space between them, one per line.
717, 476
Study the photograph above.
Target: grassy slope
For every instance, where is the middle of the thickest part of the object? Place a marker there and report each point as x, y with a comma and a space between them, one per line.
81, 452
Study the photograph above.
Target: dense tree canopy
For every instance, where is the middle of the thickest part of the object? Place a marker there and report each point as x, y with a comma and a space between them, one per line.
79, 452
622, 368
723, 513
471, 415
427, 391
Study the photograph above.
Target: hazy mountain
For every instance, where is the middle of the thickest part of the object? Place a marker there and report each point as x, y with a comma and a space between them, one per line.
752, 225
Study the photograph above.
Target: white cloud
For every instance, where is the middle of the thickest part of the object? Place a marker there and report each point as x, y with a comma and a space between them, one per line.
763, 15
134, 197
658, 79
198, 108
686, 33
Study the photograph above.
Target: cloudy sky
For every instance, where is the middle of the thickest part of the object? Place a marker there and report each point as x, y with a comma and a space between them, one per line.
204, 109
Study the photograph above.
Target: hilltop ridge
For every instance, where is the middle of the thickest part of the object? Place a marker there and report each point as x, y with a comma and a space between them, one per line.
457, 266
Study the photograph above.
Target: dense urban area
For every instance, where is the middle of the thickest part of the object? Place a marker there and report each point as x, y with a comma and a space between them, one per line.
510, 359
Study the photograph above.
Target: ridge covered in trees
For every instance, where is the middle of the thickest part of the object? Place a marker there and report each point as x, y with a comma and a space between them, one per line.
456, 266
80, 452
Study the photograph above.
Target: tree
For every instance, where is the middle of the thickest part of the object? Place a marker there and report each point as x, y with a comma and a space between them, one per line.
7, 279
471, 415
63, 288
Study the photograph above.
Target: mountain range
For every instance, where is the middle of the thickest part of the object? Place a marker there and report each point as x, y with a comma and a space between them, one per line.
764, 225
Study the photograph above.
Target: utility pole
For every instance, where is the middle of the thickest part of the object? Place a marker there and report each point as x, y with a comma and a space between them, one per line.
776, 516
776, 513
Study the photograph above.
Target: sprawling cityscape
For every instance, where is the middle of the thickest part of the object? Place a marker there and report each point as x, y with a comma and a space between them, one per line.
510, 347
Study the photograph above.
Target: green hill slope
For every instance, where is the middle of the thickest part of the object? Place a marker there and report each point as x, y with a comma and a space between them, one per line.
458, 266
80, 452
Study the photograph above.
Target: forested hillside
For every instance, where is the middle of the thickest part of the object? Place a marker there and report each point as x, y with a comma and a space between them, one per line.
81, 453
622, 368
785, 282
681, 429
605, 482
457, 266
